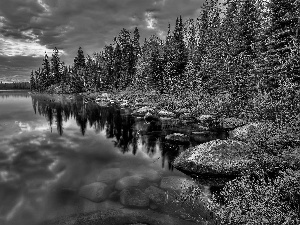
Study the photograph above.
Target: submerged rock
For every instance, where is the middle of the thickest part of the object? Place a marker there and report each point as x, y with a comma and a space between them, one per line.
129, 181
109, 175
217, 157
95, 192
157, 195
134, 197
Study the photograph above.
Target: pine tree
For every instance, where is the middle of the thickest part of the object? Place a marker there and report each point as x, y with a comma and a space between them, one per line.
47, 79
79, 61
56, 66
32, 82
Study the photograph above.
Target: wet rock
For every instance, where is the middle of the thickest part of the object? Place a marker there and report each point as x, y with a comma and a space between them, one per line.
177, 137
149, 117
134, 197
149, 174
209, 121
142, 111
176, 183
109, 175
129, 181
217, 157
95, 192
165, 113
231, 123
156, 195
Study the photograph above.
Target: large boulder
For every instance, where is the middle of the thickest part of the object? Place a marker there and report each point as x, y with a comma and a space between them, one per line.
134, 197
129, 181
109, 175
217, 157
95, 192
231, 123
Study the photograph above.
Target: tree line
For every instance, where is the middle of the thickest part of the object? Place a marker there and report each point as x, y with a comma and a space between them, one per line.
243, 47
14, 85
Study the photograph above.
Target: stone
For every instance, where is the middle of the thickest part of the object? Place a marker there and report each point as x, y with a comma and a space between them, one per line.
109, 175
128, 181
149, 174
142, 111
232, 123
156, 195
165, 113
95, 192
217, 157
176, 183
248, 131
134, 197
149, 117
177, 137
209, 121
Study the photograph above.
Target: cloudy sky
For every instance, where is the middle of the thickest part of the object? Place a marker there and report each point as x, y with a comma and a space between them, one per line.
28, 28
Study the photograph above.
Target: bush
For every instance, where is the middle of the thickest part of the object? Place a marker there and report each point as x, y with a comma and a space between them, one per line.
259, 201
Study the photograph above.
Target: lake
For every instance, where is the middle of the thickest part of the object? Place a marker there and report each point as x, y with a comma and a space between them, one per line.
54, 153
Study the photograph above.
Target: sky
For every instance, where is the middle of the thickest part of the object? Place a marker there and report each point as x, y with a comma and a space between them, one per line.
29, 28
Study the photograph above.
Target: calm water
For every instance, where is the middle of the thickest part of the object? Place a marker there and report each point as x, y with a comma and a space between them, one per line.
48, 150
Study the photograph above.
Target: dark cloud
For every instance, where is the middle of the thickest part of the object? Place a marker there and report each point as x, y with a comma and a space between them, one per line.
90, 24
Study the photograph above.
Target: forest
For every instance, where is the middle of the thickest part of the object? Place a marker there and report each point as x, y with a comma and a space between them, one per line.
239, 59
15, 85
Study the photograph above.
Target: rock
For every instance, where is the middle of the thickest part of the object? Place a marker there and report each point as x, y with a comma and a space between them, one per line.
209, 121
142, 111
146, 173
248, 131
95, 192
187, 117
109, 175
165, 113
177, 137
217, 157
129, 181
157, 195
231, 123
134, 197
203, 136
149, 117
124, 104
176, 183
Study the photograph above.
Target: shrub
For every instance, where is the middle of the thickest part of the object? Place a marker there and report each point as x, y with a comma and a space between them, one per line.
259, 201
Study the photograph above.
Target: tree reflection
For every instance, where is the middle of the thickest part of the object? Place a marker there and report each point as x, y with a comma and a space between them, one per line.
127, 133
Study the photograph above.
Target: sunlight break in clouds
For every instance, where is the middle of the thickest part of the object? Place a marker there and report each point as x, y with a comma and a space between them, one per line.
151, 22
14, 47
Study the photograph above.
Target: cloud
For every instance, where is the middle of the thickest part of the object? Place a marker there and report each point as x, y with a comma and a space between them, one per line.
31, 27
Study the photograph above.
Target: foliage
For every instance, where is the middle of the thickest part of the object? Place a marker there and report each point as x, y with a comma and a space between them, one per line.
259, 201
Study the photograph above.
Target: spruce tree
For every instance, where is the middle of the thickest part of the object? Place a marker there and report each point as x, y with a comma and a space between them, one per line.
56, 66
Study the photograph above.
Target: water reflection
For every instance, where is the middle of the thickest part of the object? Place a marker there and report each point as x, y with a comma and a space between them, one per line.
47, 154
129, 134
